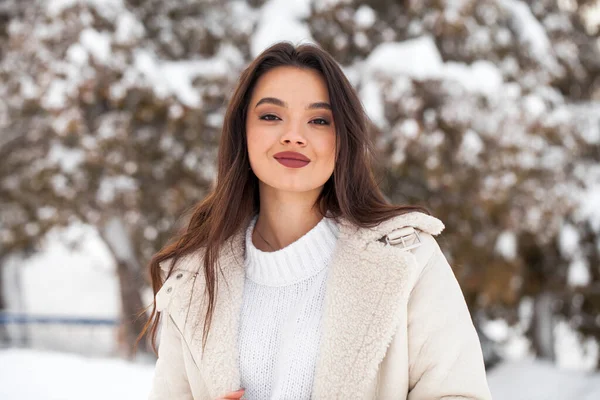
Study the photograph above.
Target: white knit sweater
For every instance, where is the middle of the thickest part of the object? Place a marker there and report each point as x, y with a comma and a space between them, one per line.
280, 324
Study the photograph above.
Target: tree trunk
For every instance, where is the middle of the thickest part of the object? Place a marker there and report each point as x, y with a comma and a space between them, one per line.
4, 338
11, 299
131, 283
543, 326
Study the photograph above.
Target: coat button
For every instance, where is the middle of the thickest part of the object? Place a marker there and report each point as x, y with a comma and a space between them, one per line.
179, 275
169, 289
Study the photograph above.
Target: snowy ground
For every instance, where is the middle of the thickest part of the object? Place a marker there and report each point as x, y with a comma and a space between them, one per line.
29, 374
529, 380
36, 375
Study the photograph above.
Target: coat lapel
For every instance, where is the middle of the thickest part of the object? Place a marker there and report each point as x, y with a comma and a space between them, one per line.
361, 312
218, 363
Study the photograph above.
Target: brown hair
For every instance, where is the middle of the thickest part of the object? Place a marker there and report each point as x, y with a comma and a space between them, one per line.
351, 191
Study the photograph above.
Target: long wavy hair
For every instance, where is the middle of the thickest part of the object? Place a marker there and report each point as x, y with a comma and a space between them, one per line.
351, 192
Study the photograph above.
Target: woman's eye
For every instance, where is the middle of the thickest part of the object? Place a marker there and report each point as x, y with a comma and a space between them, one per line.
269, 117
316, 121
320, 121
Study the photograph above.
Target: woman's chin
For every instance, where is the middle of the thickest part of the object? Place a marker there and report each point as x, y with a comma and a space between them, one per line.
292, 187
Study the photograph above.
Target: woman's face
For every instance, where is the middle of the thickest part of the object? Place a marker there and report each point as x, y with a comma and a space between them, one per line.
289, 111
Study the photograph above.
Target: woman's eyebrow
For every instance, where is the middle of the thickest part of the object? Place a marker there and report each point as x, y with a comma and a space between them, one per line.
281, 103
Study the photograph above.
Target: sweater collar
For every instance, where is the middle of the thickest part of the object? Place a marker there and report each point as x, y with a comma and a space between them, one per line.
296, 262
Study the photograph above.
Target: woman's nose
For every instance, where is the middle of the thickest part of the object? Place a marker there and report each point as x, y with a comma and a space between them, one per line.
294, 134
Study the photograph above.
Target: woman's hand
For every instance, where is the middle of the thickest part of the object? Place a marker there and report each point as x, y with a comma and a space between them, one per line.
232, 395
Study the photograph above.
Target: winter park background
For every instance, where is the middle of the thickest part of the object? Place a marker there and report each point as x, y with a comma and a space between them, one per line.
487, 112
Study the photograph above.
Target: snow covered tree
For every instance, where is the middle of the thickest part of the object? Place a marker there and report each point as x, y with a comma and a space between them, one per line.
485, 111
101, 126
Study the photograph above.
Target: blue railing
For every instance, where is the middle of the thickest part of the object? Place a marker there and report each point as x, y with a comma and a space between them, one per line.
24, 319
83, 335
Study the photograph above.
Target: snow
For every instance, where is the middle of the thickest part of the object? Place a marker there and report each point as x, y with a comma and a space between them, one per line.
128, 29
506, 245
118, 239
516, 347
67, 158
510, 342
480, 77
77, 55
589, 197
530, 31
409, 128
590, 206
107, 8
420, 59
56, 95
370, 95
568, 241
97, 44
281, 20
534, 105
111, 186
78, 281
496, 330
30, 374
360, 39
591, 17
570, 352
567, 5
322, 5
525, 312
364, 17
578, 273
533, 380
166, 78
29, 89
73, 275
470, 148
176, 77
587, 118
46, 212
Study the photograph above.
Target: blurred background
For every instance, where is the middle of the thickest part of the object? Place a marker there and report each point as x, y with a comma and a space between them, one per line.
487, 112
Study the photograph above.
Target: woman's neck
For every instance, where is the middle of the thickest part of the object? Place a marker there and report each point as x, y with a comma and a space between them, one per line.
281, 221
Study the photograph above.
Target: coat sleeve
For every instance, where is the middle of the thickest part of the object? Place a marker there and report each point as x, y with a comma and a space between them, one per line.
170, 379
445, 357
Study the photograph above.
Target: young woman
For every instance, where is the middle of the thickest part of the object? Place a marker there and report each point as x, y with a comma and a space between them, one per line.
295, 279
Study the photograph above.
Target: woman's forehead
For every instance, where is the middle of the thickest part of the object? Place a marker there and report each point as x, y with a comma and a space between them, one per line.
293, 87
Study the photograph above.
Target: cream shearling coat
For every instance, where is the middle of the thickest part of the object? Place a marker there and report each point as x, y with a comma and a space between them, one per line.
395, 325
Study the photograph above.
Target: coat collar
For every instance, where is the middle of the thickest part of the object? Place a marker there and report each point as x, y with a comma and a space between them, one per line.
363, 292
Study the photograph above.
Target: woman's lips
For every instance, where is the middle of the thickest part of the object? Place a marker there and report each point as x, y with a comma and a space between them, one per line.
292, 163
292, 159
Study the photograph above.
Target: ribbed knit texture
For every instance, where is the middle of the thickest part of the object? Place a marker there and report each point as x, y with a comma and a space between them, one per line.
280, 324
